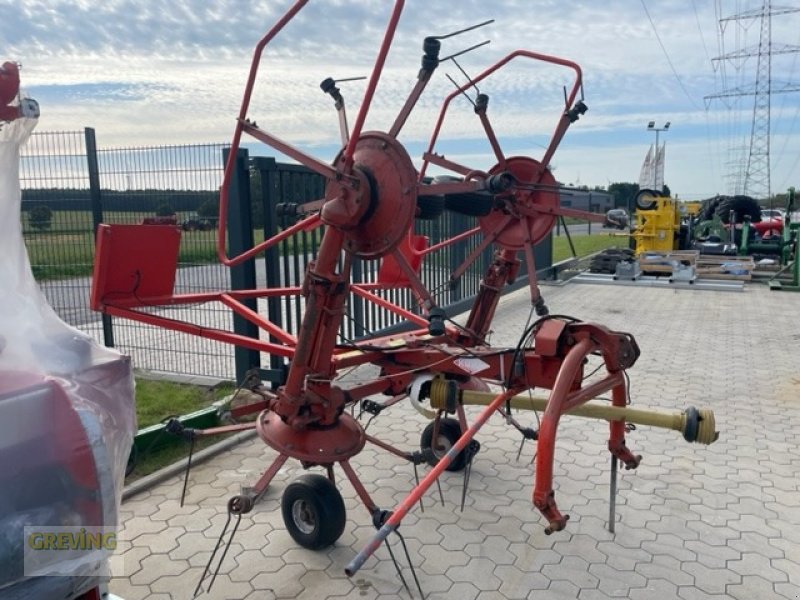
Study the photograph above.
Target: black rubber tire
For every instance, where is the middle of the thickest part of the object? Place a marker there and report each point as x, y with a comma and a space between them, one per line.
641, 203
449, 432
743, 206
470, 204
313, 511
475, 204
707, 208
430, 207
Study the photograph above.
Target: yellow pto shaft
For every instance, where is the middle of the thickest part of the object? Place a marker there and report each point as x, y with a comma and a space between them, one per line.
695, 425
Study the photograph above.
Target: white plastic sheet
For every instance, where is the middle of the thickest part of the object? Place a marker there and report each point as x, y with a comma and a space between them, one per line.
66, 406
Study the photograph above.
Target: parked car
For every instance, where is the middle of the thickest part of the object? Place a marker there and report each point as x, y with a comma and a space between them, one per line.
772, 213
194, 222
617, 217
162, 220
771, 224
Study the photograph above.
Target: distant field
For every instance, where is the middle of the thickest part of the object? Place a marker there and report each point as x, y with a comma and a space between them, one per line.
67, 248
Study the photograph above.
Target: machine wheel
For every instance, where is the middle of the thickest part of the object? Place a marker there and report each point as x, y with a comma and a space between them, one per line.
449, 432
644, 199
743, 206
430, 207
313, 511
707, 209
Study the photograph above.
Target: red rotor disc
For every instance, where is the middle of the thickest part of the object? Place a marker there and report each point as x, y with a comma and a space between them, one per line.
532, 210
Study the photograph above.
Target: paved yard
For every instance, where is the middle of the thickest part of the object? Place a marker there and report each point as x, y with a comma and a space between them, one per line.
693, 522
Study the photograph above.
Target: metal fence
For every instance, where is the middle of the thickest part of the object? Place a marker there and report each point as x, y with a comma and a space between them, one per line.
83, 186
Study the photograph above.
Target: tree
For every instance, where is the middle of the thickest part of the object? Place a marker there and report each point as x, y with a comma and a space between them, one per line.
623, 193
40, 217
208, 209
164, 210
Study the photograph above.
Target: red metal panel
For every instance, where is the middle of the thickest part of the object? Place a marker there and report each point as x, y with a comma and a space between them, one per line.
134, 263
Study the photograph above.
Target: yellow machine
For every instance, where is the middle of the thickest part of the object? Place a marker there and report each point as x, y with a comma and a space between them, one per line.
658, 223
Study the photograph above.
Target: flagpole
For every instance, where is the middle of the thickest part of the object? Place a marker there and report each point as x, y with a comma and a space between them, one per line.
651, 126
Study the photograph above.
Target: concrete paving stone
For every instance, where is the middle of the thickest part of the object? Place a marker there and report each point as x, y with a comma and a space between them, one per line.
532, 559
181, 585
593, 525
752, 513
631, 537
760, 544
493, 547
162, 542
673, 527
145, 503
479, 571
713, 535
573, 569
616, 583
563, 590
656, 589
712, 581
316, 561
285, 584
155, 566
789, 566
581, 545
491, 596
195, 520
665, 567
788, 590
225, 589
669, 545
455, 538
250, 563
751, 586
711, 554
460, 590
125, 589
132, 559
141, 525
260, 595
191, 543
516, 584
583, 595
751, 563
314, 581
622, 558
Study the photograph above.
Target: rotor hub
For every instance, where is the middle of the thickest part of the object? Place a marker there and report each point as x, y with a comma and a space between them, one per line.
533, 205
376, 216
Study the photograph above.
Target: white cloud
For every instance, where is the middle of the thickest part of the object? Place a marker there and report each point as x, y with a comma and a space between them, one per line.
178, 70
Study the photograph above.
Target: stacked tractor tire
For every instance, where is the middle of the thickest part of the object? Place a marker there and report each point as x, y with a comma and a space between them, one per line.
607, 260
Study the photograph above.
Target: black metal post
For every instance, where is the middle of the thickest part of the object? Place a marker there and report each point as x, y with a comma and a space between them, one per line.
240, 239
458, 252
96, 199
357, 302
270, 196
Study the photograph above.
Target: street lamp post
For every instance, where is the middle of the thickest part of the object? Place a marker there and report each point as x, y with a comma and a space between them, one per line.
651, 126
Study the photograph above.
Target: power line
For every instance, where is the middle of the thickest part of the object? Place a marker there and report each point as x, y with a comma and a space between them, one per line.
757, 180
666, 54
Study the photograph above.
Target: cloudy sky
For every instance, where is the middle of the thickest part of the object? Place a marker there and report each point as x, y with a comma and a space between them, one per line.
147, 73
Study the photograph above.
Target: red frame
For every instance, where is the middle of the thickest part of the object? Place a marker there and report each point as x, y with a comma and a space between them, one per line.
310, 403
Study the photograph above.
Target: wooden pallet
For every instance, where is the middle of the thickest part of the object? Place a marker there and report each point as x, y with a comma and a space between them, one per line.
725, 267
663, 262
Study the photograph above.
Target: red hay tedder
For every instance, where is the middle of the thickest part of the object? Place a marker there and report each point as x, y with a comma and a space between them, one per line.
372, 196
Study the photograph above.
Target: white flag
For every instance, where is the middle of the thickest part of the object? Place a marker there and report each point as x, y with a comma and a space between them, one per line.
646, 174
659, 167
